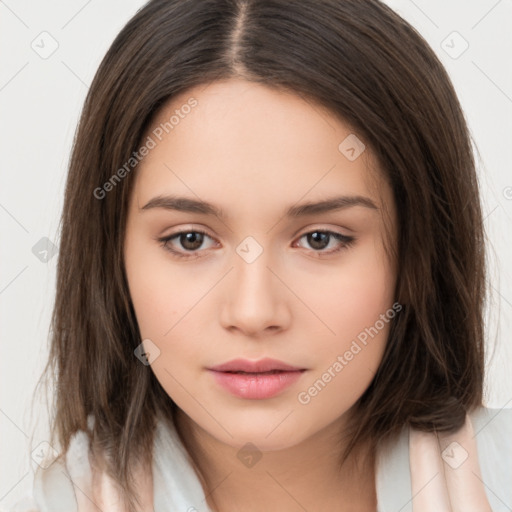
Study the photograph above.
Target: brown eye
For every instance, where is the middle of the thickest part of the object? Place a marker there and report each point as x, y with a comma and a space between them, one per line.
184, 241
191, 241
318, 240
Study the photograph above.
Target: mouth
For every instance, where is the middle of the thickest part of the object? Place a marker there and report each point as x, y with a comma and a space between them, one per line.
271, 372
258, 380
262, 366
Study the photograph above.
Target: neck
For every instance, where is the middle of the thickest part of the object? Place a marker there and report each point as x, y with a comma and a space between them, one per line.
308, 476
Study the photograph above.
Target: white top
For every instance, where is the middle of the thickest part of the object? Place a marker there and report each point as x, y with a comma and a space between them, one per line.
176, 487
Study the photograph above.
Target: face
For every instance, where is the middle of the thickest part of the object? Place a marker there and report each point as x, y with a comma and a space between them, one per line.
310, 287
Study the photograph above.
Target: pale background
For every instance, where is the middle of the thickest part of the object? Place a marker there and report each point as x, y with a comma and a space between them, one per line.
40, 101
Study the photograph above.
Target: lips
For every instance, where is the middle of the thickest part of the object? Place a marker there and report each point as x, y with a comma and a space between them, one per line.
245, 366
256, 380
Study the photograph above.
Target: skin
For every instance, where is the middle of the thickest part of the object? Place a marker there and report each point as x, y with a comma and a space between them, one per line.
255, 151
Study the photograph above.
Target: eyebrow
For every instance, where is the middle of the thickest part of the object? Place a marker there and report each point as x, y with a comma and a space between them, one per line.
186, 204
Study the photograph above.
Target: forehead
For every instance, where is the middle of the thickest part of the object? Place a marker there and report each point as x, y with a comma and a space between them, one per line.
254, 147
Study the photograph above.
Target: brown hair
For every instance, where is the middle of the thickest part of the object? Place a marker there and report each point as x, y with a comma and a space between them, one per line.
364, 63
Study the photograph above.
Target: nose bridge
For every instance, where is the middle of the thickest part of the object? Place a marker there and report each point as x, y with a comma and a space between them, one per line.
254, 299
253, 278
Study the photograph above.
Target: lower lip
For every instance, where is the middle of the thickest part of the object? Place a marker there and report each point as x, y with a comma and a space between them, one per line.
257, 386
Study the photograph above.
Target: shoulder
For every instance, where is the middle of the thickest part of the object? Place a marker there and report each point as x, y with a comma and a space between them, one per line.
57, 477
53, 489
176, 484
492, 432
54, 485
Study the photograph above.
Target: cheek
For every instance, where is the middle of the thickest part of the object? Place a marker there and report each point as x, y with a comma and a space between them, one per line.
336, 387
349, 298
162, 293
356, 304
167, 299
359, 309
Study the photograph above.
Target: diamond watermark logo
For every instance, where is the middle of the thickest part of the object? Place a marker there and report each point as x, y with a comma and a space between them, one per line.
351, 147
249, 455
249, 249
44, 250
44, 454
147, 352
454, 455
45, 45
454, 45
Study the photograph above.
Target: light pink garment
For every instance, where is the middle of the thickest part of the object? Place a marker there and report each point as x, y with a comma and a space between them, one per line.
445, 473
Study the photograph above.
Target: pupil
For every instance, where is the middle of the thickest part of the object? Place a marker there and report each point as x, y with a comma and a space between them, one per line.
317, 240
194, 239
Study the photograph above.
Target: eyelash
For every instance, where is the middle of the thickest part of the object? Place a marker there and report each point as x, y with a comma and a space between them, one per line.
345, 242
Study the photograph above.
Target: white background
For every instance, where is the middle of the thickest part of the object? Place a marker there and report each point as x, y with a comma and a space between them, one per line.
40, 102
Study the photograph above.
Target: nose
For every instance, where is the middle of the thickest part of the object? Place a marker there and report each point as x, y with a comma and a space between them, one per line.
255, 298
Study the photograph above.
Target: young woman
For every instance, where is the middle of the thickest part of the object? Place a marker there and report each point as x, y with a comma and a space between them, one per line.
271, 273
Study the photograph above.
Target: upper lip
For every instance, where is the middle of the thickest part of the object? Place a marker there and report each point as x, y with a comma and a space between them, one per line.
245, 365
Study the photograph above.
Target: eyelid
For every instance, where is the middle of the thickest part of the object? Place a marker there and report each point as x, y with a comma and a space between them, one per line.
324, 228
299, 233
345, 241
181, 231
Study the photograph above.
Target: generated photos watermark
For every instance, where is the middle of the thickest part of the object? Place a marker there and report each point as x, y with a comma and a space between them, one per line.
357, 345
151, 142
